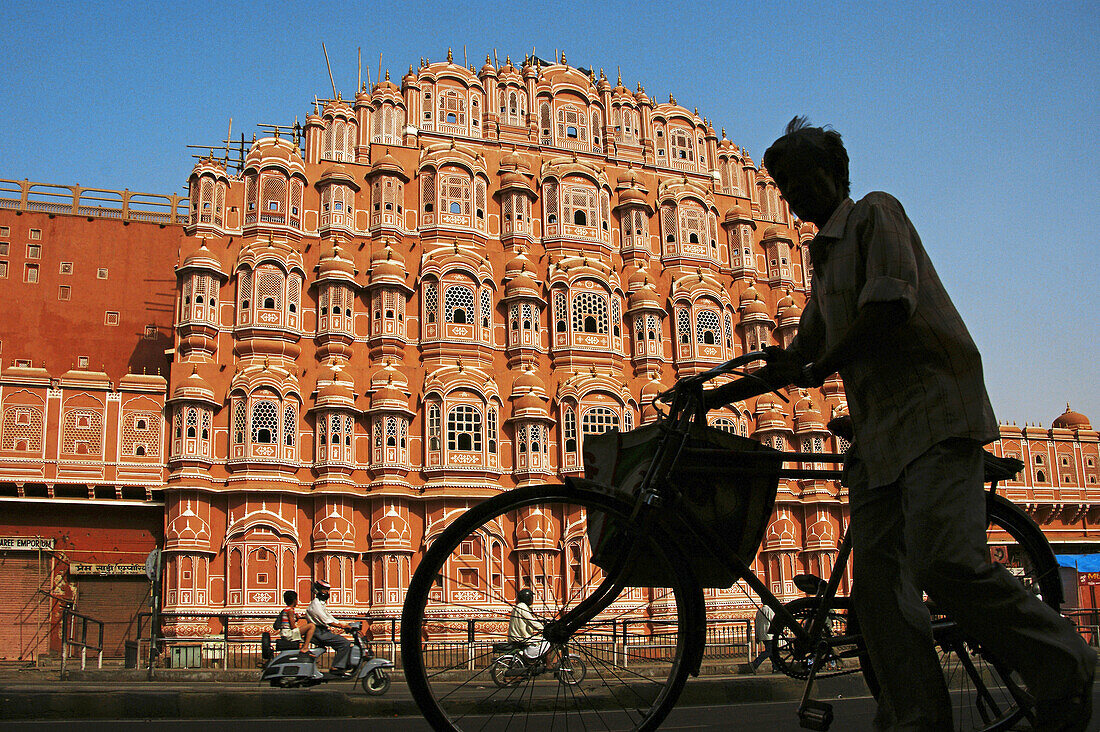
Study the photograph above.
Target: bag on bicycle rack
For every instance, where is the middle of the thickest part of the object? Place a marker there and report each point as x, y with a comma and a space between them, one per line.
732, 492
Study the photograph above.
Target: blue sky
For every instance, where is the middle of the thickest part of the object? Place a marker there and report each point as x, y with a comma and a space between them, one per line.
976, 115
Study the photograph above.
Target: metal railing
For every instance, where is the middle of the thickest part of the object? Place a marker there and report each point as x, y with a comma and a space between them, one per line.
101, 203
74, 635
1087, 621
232, 640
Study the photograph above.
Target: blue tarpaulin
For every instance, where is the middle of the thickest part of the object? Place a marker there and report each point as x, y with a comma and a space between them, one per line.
1080, 562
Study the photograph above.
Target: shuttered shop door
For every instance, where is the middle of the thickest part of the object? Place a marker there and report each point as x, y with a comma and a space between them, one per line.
116, 602
24, 611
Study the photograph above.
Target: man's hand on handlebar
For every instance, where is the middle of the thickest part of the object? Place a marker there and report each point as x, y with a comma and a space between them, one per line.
787, 367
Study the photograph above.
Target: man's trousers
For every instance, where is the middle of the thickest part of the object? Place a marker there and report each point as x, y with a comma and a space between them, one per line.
926, 531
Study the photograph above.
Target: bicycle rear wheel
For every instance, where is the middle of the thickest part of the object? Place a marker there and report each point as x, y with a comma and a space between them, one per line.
463, 592
987, 695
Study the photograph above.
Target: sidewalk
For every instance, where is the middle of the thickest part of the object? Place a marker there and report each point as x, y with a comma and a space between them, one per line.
125, 694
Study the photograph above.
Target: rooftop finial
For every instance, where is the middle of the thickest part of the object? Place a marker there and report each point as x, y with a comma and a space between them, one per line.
450, 56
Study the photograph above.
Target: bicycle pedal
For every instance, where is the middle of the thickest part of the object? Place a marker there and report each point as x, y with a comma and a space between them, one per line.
815, 715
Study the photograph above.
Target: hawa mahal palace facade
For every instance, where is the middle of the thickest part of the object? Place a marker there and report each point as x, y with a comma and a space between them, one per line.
427, 294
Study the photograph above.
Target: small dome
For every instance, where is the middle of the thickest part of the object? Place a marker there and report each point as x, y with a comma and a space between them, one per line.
202, 259
334, 528
638, 278
807, 415
521, 285
769, 414
387, 265
517, 264
187, 528
388, 164
336, 390
773, 233
335, 264
391, 530
645, 296
1072, 420
738, 213
194, 388
535, 530
337, 174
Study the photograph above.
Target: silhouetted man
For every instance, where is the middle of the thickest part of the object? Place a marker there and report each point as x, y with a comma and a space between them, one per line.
879, 315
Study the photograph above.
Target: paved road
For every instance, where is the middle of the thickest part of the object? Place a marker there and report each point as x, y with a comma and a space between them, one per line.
852, 715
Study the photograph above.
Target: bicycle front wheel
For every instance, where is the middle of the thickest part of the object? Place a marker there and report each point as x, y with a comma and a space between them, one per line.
463, 593
986, 695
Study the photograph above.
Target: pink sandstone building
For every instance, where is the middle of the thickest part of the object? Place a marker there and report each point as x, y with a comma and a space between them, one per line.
429, 293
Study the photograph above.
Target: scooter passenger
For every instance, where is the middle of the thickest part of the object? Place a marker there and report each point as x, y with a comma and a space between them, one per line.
318, 614
295, 629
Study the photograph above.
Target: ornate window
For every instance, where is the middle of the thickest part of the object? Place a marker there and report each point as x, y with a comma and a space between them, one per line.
597, 420
572, 126
590, 313
269, 289
244, 297
434, 430
580, 205
491, 431
458, 303
682, 145
708, 328
265, 422
452, 110
693, 228
22, 429
486, 309
550, 202
454, 195
635, 229
464, 429
570, 430
560, 311
82, 431
290, 425
388, 124
431, 302
238, 422
683, 325
513, 107
479, 204
725, 424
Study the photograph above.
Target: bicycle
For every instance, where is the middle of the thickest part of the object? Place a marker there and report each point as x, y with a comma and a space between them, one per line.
637, 568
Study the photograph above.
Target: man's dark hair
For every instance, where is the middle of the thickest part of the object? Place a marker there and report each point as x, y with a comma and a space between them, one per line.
823, 144
290, 597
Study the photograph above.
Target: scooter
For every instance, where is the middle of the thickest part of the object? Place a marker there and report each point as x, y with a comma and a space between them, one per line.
288, 668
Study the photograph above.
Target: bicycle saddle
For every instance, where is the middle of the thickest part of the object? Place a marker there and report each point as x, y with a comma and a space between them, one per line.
1000, 468
841, 427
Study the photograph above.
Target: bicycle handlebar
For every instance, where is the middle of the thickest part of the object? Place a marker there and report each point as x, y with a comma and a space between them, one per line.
729, 367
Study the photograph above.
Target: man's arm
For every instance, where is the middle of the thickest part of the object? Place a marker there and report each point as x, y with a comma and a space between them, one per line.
889, 294
875, 326
784, 366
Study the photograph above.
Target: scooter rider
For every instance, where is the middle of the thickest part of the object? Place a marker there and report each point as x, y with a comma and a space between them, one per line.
318, 614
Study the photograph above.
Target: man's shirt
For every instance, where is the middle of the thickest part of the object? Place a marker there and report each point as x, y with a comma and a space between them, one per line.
918, 387
523, 626
319, 615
